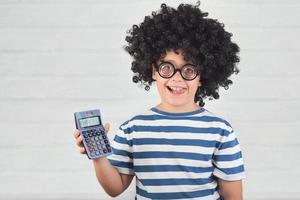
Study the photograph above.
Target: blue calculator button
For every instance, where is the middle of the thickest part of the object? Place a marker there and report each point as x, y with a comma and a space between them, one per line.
104, 151
103, 136
90, 134
106, 141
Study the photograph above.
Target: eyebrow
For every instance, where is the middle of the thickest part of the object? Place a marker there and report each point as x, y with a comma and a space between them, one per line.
172, 62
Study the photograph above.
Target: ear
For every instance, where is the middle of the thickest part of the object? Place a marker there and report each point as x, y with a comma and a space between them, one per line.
153, 72
200, 80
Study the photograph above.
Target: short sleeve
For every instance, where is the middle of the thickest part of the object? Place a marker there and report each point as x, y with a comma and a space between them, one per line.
122, 153
227, 158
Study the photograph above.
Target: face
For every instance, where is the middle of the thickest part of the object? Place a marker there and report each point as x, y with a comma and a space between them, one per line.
177, 94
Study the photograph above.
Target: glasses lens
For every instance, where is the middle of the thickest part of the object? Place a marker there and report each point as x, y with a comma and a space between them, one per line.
166, 70
189, 72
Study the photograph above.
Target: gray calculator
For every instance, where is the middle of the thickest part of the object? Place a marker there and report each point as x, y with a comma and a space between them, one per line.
90, 126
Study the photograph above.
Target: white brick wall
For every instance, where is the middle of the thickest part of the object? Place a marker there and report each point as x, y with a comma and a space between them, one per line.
61, 56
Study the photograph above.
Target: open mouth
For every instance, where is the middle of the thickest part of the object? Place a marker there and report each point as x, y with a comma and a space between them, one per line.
176, 90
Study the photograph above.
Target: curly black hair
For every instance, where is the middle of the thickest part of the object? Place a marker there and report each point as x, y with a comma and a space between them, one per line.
203, 41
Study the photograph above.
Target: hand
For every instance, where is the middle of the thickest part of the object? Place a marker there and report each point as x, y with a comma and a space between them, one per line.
79, 138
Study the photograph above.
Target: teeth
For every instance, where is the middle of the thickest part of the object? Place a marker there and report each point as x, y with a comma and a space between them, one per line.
176, 88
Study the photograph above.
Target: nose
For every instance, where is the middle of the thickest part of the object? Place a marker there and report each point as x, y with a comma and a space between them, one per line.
177, 76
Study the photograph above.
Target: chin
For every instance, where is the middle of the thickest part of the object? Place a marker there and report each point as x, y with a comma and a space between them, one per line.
177, 104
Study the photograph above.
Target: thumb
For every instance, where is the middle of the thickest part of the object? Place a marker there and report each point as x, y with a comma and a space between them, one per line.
106, 127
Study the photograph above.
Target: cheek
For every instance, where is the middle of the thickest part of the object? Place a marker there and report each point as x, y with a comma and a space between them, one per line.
161, 83
193, 86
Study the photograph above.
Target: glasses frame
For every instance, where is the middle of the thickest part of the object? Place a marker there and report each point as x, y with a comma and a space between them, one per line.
176, 70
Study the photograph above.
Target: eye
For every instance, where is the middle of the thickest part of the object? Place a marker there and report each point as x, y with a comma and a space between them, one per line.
189, 71
166, 69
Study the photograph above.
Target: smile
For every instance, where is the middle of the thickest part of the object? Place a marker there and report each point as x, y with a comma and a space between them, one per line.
176, 90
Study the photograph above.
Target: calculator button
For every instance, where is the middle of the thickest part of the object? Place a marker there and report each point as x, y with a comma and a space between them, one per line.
106, 141
104, 151
90, 134
104, 137
108, 149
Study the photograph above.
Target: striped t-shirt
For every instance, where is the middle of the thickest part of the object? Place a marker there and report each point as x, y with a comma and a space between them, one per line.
177, 155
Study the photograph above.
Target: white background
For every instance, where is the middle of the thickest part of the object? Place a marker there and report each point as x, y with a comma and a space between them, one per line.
62, 56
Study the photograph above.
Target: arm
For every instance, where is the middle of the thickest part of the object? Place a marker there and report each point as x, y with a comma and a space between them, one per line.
113, 182
230, 190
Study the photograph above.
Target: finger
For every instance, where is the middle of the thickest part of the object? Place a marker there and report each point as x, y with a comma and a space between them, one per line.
79, 141
106, 127
76, 133
82, 150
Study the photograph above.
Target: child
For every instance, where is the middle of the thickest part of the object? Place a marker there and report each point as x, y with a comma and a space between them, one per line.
177, 149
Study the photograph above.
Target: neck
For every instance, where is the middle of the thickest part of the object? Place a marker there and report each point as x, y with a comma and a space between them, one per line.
177, 109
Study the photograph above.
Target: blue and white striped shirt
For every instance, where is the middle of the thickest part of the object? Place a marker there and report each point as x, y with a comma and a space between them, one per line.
177, 155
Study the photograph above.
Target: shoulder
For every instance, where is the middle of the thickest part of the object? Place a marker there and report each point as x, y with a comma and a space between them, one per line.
217, 120
137, 119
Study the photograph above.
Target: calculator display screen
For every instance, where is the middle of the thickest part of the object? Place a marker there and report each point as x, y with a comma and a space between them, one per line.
87, 122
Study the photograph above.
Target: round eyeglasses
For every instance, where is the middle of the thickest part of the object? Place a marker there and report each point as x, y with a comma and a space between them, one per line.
188, 72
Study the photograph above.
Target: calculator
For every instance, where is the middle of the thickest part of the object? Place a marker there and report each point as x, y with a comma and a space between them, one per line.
95, 140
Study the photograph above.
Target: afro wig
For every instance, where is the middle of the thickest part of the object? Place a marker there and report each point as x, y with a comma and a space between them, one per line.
204, 42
